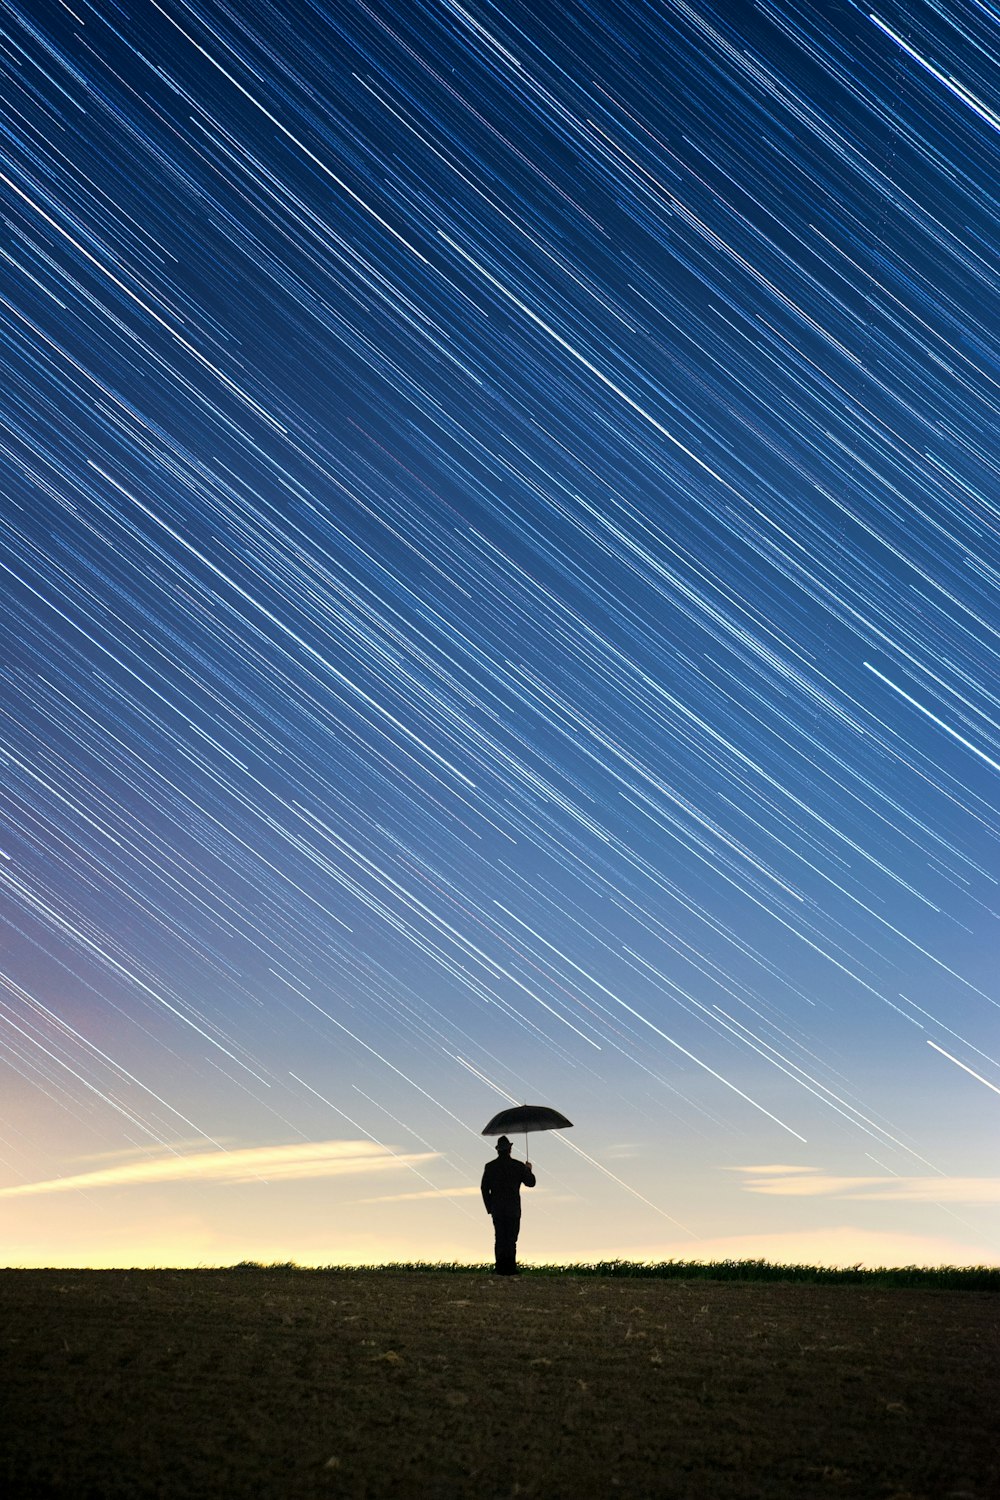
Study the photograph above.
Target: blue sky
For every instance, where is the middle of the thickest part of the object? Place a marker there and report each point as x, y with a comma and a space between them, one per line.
500, 541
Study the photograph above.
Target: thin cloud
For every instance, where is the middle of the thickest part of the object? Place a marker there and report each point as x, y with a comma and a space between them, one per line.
196, 1143
453, 1192
775, 1169
303, 1159
808, 1182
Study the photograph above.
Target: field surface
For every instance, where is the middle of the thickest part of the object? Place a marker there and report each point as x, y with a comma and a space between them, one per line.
445, 1386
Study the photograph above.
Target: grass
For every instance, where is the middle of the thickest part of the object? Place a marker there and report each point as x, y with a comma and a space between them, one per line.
943, 1278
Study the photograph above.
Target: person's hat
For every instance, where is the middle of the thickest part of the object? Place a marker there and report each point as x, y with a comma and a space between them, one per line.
503, 1144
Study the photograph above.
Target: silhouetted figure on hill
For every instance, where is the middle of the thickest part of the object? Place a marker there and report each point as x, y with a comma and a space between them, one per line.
501, 1187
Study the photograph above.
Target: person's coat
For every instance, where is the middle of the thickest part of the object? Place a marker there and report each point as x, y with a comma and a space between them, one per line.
502, 1181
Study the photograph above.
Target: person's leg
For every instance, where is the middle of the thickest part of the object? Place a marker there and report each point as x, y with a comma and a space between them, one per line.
515, 1229
506, 1243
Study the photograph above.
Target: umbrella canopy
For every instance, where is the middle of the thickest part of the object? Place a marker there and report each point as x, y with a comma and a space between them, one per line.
527, 1117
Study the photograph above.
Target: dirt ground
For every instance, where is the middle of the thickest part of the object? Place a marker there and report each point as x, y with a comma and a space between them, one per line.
278, 1385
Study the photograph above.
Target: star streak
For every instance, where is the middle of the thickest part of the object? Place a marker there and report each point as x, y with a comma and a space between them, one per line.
500, 549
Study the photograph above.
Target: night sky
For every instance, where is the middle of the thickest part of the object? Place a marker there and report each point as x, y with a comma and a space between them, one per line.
500, 552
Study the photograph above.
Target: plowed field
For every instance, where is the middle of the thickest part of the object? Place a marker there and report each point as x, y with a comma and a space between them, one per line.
277, 1385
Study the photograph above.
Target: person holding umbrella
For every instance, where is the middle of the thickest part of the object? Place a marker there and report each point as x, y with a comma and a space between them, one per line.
501, 1189
504, 1177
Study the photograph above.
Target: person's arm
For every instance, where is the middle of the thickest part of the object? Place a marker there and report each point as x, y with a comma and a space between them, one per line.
528, 1176
484, 1188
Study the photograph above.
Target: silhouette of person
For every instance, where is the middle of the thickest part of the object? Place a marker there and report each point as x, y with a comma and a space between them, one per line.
501, 1189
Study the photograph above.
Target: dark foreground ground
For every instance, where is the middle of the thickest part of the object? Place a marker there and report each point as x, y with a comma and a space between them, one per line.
277, 1384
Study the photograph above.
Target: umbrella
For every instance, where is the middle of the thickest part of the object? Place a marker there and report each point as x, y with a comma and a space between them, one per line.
526, 1117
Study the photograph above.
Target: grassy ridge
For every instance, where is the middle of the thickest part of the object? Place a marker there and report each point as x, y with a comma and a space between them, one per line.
947, 1278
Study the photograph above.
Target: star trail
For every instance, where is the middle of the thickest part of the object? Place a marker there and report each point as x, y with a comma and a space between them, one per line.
500, 547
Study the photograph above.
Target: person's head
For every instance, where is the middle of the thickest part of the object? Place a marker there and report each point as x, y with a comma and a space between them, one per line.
504, 1146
